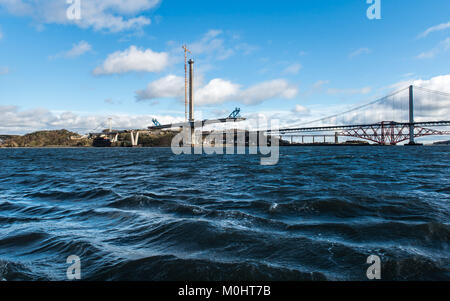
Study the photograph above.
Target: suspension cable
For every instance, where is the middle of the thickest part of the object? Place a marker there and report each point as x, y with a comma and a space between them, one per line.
433, 91
356, 108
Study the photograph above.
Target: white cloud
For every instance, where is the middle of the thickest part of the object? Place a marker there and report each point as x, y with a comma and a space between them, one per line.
359, 52
432, 104
133, 59
77, 50
432, 29
16, 121
293, 69
320, 83
317, 87
111, 15
170, 86
428, 106
299, 109
443, 46
219, 91
278, 88
212, 45
437, 83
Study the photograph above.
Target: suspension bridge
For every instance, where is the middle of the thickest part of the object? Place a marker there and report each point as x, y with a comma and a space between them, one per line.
401, 116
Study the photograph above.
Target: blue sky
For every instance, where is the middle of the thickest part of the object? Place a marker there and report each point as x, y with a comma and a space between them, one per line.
300, 59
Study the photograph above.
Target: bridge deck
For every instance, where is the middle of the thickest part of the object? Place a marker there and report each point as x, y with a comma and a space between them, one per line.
196, 123
346, 127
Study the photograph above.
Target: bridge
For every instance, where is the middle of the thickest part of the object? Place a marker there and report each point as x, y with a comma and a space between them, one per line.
411, 113
397, 106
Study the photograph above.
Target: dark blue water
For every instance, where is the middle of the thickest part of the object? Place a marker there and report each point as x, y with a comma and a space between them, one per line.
145, 214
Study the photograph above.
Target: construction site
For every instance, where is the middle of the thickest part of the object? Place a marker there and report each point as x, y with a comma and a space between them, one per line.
162, 135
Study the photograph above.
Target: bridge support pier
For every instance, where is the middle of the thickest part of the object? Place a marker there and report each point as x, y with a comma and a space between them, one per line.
191, 103
411, 116
134, 139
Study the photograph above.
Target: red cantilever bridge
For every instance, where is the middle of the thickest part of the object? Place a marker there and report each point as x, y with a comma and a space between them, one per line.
384, 132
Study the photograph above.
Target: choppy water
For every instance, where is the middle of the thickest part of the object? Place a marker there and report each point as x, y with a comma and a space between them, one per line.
145, 214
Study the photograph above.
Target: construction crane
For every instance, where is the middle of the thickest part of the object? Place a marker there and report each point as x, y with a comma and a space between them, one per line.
186, 50
235, 113
156, 122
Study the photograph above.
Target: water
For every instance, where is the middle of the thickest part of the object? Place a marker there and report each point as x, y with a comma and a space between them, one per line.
145, 214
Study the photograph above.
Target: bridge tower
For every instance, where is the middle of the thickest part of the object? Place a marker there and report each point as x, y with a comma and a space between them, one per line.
411, 115
191, 102
191, 90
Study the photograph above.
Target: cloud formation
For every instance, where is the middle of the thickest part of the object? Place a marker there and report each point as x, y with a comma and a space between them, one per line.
301, 110
216, 45
293, 69
219, 91
436, 28
443, 46
320, 83
359, 52
428, 107
77, 50
110, 15
433, 105
133, 59
211, 44
16, 121
170, 86
278, 88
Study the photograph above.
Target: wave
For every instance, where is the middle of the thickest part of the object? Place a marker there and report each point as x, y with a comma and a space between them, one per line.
160, 268
138, 214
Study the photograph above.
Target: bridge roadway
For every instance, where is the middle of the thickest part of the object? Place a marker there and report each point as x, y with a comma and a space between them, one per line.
346, 127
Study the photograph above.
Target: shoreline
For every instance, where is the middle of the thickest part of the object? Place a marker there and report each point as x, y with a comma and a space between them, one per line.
148, 147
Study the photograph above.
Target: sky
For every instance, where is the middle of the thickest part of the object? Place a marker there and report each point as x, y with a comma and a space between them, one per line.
291, 60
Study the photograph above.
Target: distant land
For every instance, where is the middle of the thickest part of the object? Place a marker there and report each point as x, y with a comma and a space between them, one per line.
58, 138
65, 138
442, 142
